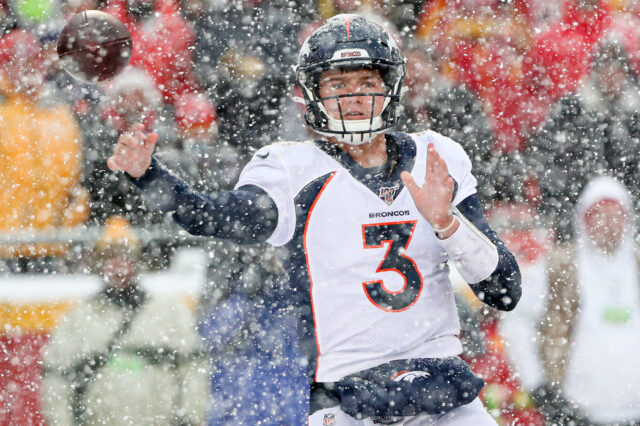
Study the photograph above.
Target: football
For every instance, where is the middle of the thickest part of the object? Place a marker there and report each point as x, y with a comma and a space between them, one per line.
94, 46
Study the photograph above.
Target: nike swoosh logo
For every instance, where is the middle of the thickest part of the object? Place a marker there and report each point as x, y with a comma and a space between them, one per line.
263, 156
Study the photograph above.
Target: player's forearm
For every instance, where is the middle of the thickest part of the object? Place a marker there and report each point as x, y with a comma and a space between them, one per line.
482, 259
473, 254
246, 215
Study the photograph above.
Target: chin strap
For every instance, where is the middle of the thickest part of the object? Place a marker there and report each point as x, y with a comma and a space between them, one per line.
354, 139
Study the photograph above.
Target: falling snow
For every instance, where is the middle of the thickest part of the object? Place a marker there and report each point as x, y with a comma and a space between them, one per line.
111, 312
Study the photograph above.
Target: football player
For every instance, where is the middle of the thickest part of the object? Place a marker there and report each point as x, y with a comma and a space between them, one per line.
366, 222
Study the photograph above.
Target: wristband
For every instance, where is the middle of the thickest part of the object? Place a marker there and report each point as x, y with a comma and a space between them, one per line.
448, 227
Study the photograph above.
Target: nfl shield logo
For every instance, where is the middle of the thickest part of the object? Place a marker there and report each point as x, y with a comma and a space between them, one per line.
329, 419
387, 193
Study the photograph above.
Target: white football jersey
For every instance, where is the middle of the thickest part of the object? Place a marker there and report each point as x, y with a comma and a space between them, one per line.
366, 267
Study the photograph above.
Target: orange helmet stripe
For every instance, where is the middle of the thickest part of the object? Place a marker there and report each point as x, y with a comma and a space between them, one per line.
347, 25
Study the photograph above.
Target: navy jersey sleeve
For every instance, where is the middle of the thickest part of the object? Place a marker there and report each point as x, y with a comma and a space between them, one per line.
245, 215
502, 289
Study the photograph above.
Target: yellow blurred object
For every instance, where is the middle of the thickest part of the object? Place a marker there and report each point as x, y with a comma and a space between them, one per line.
5, 83
32, 318
470, 298
522, 400
476, 27
495, 396
429, 21
619, 5
40, 167
78, 211
118, 236
43, 316
325, 8
241, 67
191, 301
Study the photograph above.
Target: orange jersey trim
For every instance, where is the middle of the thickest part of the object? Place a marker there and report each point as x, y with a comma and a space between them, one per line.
306, 256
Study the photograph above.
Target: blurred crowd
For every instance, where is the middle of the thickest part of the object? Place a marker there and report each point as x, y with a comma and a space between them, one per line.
544, 97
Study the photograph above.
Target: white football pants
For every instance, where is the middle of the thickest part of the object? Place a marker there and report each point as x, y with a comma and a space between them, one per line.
473, 414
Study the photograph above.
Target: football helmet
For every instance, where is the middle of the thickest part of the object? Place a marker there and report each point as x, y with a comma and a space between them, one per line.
350, 42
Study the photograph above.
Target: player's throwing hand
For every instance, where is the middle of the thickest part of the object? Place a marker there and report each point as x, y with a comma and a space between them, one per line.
132, 153
433, 198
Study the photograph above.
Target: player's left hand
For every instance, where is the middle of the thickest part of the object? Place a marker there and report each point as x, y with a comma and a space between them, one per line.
433, 198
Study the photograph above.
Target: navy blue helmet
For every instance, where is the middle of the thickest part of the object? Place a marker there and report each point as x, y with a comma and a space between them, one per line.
350, 42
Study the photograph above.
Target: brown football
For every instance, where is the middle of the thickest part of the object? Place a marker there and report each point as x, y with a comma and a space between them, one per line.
94, 46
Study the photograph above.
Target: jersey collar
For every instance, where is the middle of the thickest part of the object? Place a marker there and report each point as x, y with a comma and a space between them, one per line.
401, 154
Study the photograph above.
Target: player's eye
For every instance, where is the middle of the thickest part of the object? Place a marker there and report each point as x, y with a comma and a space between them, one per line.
374, 83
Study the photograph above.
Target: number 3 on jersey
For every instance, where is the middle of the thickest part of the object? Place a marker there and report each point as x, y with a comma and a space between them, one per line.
397, 235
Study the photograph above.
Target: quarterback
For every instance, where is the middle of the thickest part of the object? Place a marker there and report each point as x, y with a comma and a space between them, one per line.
366, 222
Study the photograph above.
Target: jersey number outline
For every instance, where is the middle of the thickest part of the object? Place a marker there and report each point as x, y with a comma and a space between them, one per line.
397, 235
